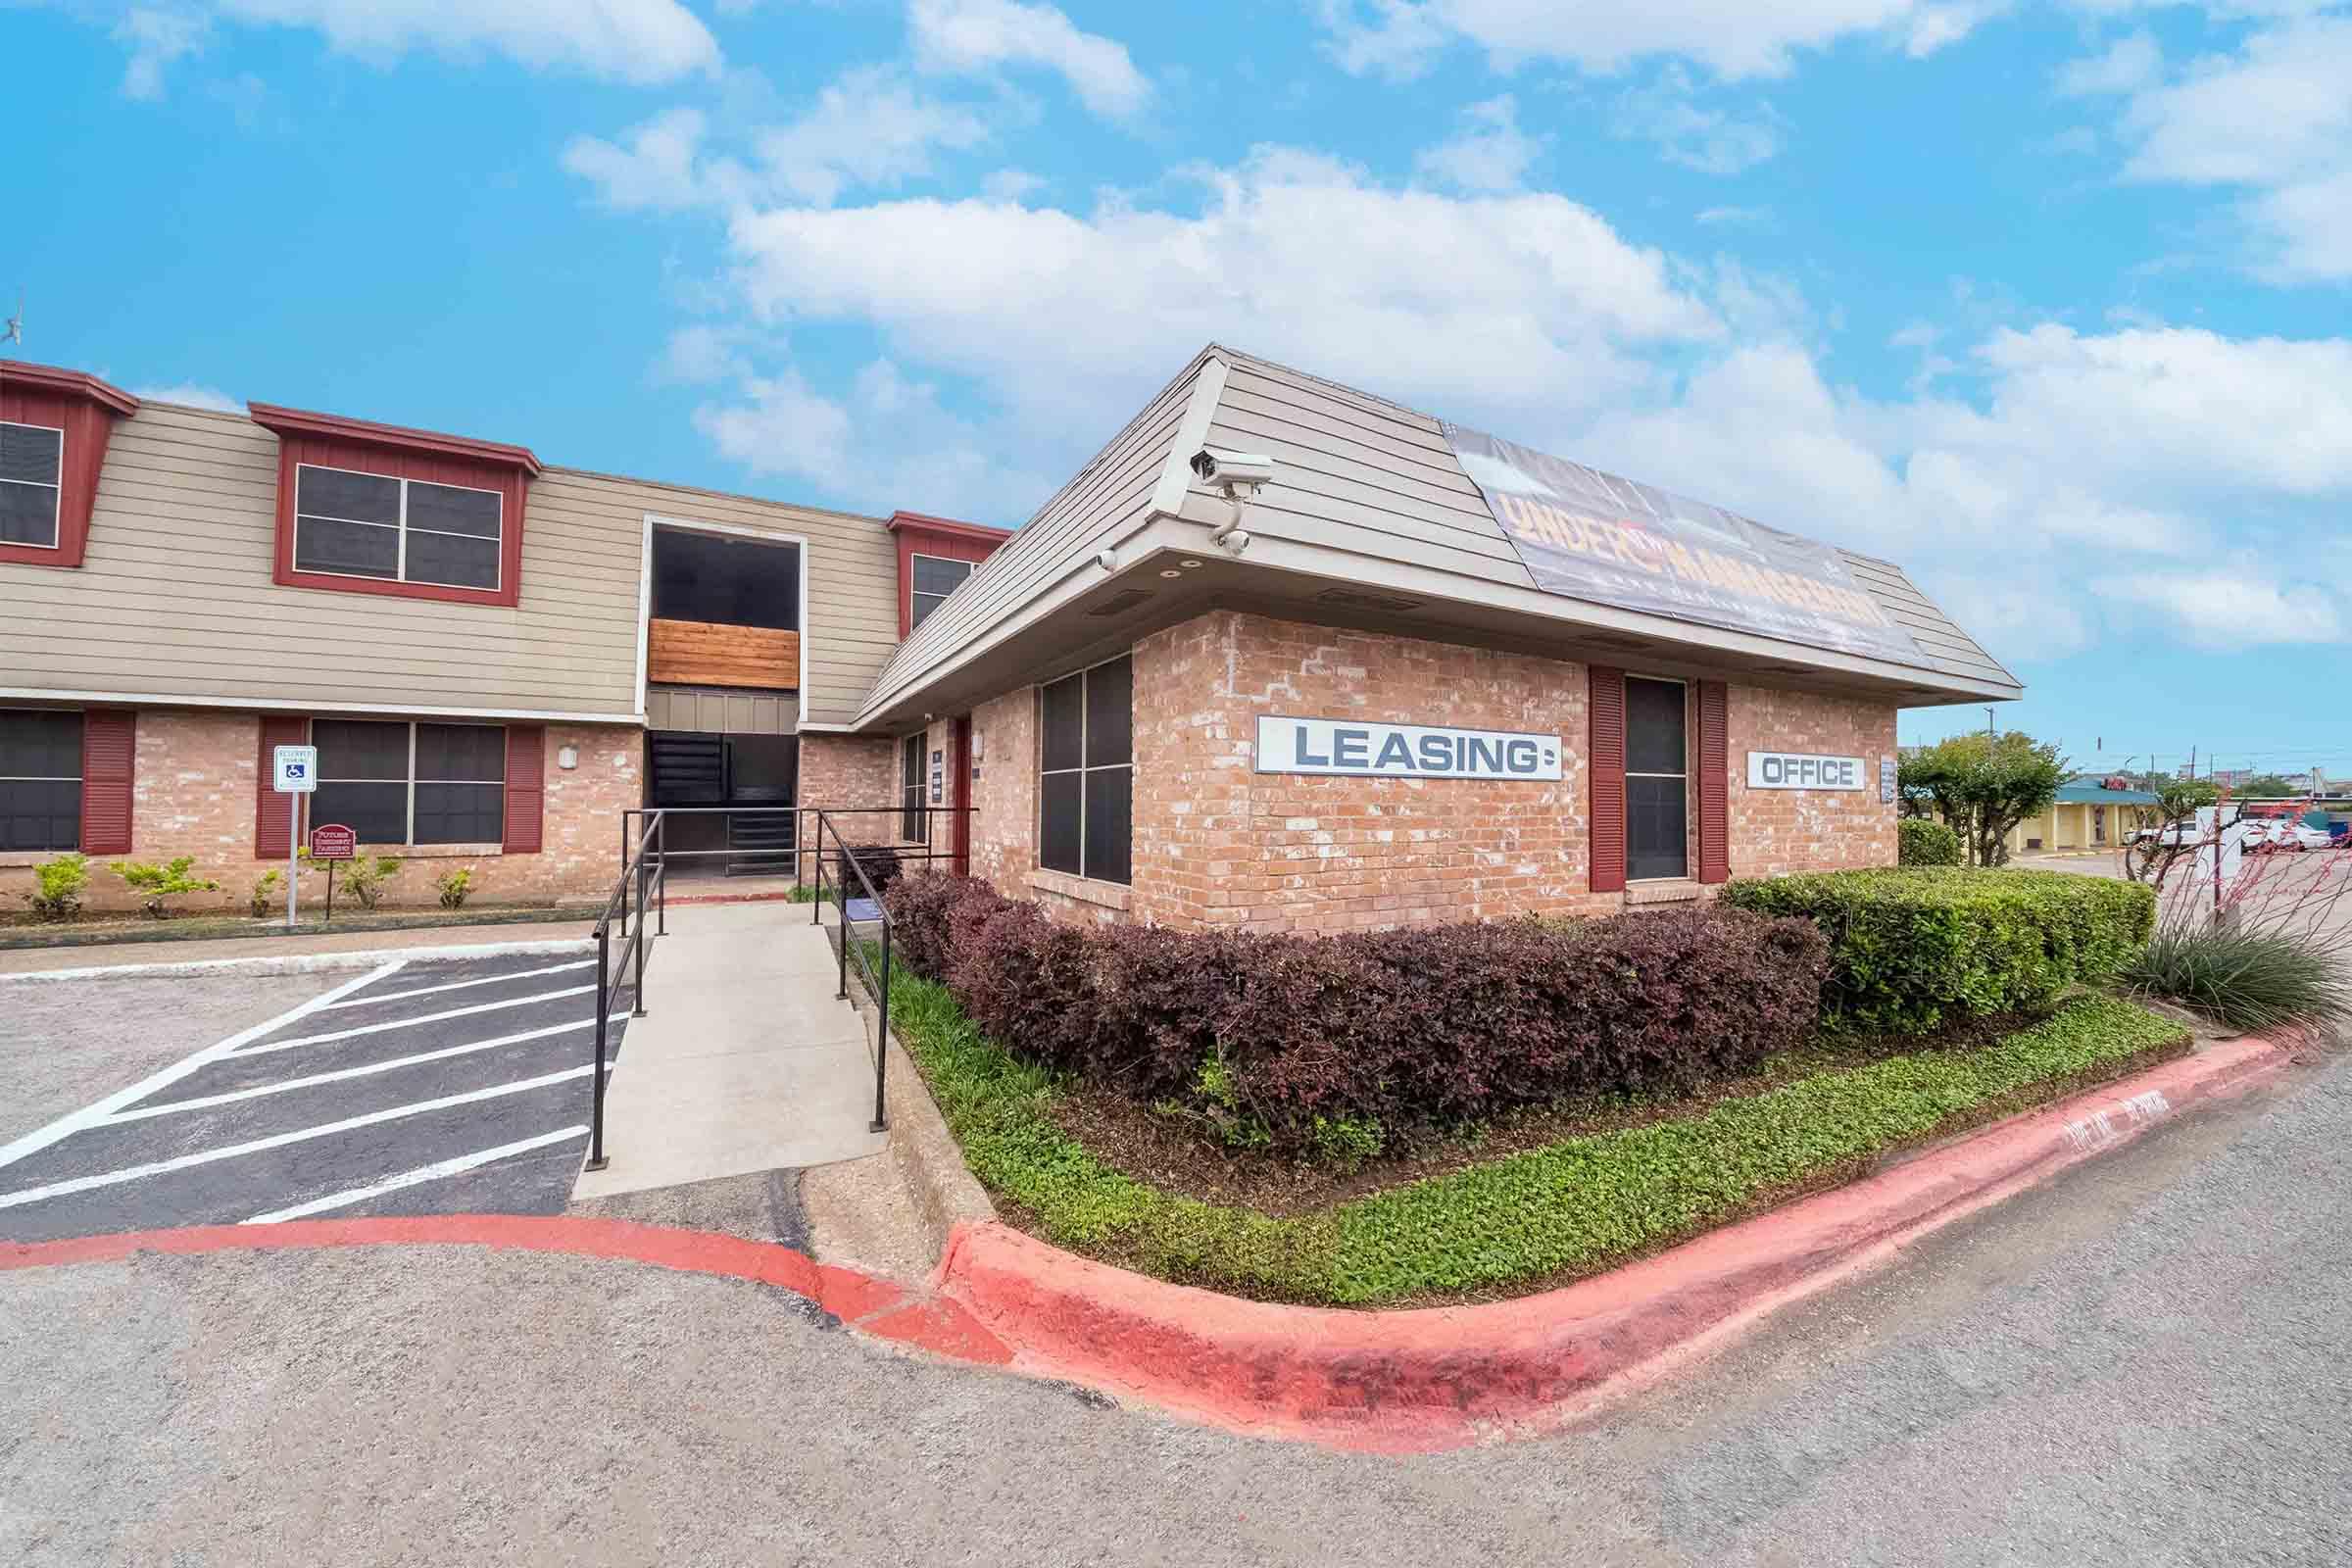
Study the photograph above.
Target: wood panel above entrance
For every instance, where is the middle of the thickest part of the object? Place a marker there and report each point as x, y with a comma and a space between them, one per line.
701, 653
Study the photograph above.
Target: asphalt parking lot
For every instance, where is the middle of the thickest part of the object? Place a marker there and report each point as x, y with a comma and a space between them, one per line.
442, 1087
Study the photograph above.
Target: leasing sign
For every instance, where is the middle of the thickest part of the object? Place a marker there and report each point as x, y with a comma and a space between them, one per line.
1802, 770
1403, 751
1585, 534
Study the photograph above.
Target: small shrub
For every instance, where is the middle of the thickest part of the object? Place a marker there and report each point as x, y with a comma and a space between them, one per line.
364, 877
2251, 980
58, 887
453, 887
1912, 946
158, 884
264, 888
921, 910
1346, 1142
1919, 840
879, 861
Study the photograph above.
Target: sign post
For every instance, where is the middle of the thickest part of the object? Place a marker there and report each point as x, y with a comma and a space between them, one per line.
296, 769
331, 842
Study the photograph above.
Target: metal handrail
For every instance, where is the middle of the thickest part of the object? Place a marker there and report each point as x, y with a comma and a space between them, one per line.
646, 874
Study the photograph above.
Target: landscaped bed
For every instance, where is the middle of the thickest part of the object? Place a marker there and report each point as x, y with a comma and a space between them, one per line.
1470, 1113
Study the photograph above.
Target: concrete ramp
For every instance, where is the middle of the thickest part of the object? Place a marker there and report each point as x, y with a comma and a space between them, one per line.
744, 1061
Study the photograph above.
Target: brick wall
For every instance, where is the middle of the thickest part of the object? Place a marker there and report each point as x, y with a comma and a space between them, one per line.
193, 793
1777, 831
849, 771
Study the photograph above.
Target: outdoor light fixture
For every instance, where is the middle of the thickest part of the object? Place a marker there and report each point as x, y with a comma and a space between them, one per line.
1188, 564
567, 757
1171, 572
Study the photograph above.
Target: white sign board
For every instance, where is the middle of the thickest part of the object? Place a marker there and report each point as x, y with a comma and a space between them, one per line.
2233, 847
1802, 770
1368, 750
296, 769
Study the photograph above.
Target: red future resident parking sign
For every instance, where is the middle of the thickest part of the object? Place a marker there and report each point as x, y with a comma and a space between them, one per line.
333, 842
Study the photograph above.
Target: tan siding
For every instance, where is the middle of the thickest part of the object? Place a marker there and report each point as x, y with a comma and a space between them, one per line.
175, 597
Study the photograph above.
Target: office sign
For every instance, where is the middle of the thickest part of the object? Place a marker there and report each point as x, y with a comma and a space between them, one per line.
1801, 771
294, 768
1585, 534
1341, 746
334, 842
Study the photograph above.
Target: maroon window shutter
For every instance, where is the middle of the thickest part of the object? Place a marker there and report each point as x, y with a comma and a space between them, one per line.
527, 787
1605, 774
269, 824
107, 748
1714, 772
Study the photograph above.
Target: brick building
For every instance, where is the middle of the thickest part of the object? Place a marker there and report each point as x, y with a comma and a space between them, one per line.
1284, 655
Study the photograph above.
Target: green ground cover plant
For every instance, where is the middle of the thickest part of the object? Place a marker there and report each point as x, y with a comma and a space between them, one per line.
1912, 948
1529, 1220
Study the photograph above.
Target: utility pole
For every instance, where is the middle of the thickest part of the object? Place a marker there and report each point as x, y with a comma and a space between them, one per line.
1990, 739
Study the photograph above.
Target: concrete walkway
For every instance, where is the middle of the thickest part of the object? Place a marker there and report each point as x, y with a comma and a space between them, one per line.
744, 1061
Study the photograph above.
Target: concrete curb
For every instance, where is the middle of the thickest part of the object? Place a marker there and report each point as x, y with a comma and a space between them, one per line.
1416, 1381
305, 962
947, 1194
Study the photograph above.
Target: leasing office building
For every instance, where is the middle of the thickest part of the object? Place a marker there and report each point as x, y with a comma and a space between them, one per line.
1401, 672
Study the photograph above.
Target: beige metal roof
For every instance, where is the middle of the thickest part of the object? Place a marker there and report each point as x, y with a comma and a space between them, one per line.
1367, 493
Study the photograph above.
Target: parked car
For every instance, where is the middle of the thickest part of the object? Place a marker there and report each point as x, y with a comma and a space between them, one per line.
2299, 836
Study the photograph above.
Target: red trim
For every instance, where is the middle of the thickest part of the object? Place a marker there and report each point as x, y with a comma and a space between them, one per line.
527, 788
1714, 774
961, 796
923, 538
391, 437
431, 463
109, 747
270, 821
68, 383
85, 410
1605, 779
948, 527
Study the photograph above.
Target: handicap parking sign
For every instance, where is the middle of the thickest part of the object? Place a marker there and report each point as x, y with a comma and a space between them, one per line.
296, 769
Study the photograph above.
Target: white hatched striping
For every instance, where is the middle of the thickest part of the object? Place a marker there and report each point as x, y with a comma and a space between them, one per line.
408, 1023
82, 1183
460, 985
340, 1074
455, 1166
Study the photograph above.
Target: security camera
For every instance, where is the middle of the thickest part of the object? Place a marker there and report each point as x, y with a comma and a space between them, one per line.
1108, 560
1234, 470
1236, 540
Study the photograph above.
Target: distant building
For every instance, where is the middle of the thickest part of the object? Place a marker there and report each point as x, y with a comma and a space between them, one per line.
2092, 811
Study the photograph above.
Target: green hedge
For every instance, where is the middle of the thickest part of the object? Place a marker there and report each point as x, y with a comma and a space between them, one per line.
1538, 1217
1919, 840
1914, 947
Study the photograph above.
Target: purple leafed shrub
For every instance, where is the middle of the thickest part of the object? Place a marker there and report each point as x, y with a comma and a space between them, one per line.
1428, 1026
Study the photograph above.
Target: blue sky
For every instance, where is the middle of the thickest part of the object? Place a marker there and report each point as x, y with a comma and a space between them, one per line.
2051, 302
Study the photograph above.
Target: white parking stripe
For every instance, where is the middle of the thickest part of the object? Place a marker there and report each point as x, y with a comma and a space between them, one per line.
408, 1023
460, 985
257, 1091
132, 1173
414, 1178
92, 1114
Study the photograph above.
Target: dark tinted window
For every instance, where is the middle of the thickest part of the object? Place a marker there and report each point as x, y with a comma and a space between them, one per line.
472, 753
28, 515
934, 575
1656, 824
447, 509
732, 583
32, 459
41, 780
1110, 714
377, 812
455, 794
1654, 726
459, 813
1108, 822
350, 549
350, 748
352, 497
1064, 708
1060, 802
913, 823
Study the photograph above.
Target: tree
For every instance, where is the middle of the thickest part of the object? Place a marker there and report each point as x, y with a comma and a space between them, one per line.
1981, 787
2267, 786
2152, 858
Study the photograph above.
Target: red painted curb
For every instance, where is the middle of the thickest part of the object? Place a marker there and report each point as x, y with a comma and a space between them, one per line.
1413, 1380
874, 1306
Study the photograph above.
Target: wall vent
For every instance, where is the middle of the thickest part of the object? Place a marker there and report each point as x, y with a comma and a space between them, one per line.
1121, 602
1354, 599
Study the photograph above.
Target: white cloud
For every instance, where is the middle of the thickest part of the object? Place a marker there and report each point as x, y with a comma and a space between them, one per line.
156, 38
191, 395
655, 168
1729, 37
2131, 64
2232, 609
699, 354
1490, 153
964, 36
1734, 216
2274, 120
1713, 141
1010, 184
868, 128
634, 41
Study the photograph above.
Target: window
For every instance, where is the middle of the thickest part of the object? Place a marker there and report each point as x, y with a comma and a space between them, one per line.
1657, 782
352, 524
915, 823
935, 577
412, 783
40, 779
726, 582
32, 466
1086, 778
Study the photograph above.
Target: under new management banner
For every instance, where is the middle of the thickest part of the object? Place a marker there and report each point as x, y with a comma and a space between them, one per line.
1591, 535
